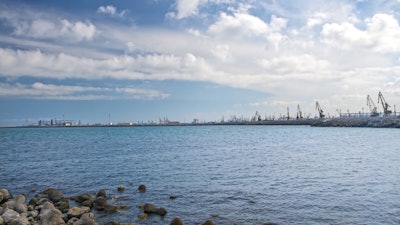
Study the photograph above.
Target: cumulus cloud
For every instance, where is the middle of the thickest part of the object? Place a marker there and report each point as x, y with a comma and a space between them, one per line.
382, 34
63, 28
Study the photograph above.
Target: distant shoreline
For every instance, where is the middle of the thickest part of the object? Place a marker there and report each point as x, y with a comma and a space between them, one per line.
376, 122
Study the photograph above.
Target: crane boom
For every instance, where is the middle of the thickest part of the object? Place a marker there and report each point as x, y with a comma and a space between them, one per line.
320, 111
372, 106
385, 105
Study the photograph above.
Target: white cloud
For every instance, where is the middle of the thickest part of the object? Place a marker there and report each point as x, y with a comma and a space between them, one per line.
382, 34
111, 10
39, 90
186, 8
63, 28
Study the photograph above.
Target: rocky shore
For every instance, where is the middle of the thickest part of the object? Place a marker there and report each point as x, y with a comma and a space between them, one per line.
51, 207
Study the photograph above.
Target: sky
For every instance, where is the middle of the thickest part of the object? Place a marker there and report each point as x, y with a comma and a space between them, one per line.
99, 61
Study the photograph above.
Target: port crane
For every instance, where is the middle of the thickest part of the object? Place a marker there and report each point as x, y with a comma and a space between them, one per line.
299, 113
385, 105
372, 106
320, 111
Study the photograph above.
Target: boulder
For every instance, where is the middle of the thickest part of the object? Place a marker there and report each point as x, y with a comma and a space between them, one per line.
176, 221
101, 193
142, 188
12, 217
1, 220
84, 199
111, 223
121, 188
62, 204
208, 222
143, 216
5, 195
152, 209
72, 221
100, 203
86, 219
77, 211
53, 194
50, 215
17, 204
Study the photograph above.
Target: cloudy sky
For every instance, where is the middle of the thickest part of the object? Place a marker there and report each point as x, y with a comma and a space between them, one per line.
204, 59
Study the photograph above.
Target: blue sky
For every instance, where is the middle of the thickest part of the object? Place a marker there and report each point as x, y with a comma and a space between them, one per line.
203, 59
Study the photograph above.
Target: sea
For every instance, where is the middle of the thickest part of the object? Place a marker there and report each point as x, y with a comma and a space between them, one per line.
239, 174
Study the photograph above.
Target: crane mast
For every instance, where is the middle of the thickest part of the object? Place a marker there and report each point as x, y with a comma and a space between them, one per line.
372, 107
385, 105
320, 111
299, 113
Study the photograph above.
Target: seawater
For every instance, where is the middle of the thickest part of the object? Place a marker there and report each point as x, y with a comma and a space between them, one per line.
228, 174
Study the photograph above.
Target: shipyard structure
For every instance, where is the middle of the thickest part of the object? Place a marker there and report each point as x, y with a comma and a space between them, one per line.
373, 118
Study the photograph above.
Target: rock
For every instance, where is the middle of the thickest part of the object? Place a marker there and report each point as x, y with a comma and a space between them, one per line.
9, 214
72, 221
142, 188
34, 200
12, 217
152, 209
208, 222
62, 204
83, 197
121, 188
176, 221
86, 219
100, 203
111, 223
101, 193
5, 195
111, 208
143, 216
33, 213
50, 215
172, 197
17, 204
53, 194
1, 220
77, 211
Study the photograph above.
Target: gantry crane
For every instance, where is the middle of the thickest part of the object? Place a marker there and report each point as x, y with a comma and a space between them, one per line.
320, 111
385, 105
299, 113
372, 106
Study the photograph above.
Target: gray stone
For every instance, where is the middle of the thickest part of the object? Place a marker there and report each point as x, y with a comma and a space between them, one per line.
100, 203
86, 219
208, 222
5, 195
142, 188
53, 194
77, 211
17, 204
1, 220
14, 218
152, 209
101, 193
72, 221
49, 215
176, 221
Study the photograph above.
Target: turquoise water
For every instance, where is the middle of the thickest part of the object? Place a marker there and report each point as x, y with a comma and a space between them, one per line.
229, 174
